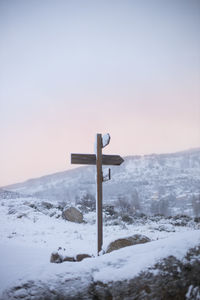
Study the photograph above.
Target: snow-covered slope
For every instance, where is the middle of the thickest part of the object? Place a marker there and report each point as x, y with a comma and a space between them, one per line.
30, 231
32, 227
27, 273
173, 178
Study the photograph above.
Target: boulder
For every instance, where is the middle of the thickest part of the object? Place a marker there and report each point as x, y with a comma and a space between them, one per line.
80, 257
128, 241
72, 214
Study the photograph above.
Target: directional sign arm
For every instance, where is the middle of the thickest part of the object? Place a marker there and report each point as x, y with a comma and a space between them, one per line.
83, 159
112, 160
90, 159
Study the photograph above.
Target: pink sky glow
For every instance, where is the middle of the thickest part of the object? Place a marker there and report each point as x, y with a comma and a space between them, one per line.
71, 69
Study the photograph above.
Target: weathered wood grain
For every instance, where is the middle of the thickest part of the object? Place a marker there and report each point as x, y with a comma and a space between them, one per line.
90, 159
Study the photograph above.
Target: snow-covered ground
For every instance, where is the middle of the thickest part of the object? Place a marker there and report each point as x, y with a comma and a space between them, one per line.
32, 227
30, 230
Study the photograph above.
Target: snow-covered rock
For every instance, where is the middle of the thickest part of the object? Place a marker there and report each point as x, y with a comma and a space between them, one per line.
127, 241
60, 256
72, 214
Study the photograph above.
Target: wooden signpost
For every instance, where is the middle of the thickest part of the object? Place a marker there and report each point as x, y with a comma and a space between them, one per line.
98, 159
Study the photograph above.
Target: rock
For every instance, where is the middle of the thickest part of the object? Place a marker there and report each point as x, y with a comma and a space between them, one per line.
59, 258
80, 257
127, 219
67, 287
47, 205
68, 258
72, 214
20, 215
197, 219
128, 241
56, 258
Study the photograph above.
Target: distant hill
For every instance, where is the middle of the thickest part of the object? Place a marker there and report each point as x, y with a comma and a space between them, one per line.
173, 177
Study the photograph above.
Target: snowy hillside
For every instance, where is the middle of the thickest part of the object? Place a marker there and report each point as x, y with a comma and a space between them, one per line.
160, 183
166, 266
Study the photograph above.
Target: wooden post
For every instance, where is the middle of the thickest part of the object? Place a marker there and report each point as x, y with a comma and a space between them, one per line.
98, 160
99, 193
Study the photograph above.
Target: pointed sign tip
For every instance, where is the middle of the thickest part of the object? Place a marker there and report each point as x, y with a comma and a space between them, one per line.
122, 160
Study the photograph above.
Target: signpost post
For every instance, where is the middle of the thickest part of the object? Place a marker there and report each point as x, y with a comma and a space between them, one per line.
99, 193
98, 160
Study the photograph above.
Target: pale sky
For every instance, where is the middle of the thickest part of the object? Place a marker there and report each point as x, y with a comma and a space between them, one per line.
71, 69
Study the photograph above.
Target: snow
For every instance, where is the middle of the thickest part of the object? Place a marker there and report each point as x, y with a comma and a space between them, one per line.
32, 228
18, 260
29, 234
31, 263
193, 293
128, 262
105, 140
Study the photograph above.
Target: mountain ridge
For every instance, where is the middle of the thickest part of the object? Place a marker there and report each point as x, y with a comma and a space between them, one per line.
147, 181
176, 153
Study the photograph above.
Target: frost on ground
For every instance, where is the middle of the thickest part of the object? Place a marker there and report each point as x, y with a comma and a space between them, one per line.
31, 229
138, 272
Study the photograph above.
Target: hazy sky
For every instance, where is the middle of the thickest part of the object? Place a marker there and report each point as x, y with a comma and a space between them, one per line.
71, 69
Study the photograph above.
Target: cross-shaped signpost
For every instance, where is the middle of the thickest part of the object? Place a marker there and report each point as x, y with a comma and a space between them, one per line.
98, 159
